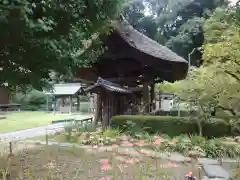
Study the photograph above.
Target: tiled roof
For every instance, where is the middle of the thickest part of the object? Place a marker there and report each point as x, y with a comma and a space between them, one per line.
65, 89
107, 85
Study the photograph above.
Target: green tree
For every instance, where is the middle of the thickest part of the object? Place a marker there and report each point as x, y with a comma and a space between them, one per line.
178, 24
38, 37
222, 48
216, 85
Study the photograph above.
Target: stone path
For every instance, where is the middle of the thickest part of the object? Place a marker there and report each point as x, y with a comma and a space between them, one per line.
211, 167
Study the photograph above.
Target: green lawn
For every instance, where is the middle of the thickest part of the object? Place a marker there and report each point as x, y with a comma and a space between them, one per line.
26, 120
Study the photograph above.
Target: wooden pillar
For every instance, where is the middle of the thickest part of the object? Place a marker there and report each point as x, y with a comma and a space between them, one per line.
105, 111
55, 105
70, 104
98, 112
78, 103
146, 97
152, 97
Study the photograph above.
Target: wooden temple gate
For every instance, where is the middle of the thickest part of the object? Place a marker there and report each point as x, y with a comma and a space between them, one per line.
129, 69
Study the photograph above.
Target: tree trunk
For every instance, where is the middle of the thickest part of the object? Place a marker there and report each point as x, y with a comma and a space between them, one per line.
199, 124
98, 112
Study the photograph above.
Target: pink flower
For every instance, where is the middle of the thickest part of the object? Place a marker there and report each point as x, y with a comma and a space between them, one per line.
146, 152
103, 161
126, 144
168, 165
104, 165
140, 143
157, 141
171, 143
105, 178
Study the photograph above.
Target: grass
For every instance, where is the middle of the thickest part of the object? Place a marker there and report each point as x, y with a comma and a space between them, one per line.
54, 162
26, 120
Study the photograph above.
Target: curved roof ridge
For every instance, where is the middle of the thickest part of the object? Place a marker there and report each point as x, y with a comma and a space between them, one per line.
145, 44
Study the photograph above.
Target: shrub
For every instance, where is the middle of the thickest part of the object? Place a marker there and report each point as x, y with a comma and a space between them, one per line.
174, 112
172, 126
216, 128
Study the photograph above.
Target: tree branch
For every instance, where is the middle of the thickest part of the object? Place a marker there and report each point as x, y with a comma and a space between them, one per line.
227, 109
233, 75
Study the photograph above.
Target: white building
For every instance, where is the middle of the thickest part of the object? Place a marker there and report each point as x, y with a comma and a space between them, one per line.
165, 101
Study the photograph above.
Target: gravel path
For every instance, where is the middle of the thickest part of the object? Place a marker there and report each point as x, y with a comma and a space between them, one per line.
39, 131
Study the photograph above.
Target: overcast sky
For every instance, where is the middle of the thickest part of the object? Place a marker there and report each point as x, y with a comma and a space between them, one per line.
233, 1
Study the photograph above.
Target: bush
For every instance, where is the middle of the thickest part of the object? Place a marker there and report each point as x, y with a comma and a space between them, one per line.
216, 128
174, 112
172, 126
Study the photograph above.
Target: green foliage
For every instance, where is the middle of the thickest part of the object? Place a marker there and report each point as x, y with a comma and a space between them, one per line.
172, 126
216, 128
87, 128
111, 133
155, 124
176, 24
213, 148
40, 37
215, 86
166, 87
32, 100
222, 50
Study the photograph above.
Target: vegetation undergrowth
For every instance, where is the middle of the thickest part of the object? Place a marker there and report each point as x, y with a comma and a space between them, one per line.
184, 144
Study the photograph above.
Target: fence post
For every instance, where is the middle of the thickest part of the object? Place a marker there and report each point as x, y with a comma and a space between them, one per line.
46, 138
10, 149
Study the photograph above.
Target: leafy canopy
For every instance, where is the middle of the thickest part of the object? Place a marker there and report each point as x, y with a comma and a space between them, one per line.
178, 24
217, 83
38, 37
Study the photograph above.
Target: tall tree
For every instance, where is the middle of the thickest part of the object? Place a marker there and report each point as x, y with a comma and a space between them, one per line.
216, 85
38, 37
222, 49
178, 24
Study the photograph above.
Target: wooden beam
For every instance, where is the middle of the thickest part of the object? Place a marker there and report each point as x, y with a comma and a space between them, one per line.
85, 81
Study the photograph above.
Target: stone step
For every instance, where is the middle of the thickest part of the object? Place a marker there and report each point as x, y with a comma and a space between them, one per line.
214, 171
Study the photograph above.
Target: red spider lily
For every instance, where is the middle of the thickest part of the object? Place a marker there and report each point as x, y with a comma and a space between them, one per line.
168, 165
105, 178
140, 143
157, 141
104, 165
126, 144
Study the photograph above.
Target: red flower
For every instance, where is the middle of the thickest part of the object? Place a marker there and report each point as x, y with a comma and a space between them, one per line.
105, 178
104, 165
126, 144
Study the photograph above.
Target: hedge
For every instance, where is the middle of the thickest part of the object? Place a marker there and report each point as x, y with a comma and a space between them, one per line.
172, 126
174, 113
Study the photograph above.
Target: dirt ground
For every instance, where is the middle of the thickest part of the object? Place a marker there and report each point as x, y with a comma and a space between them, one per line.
54, 162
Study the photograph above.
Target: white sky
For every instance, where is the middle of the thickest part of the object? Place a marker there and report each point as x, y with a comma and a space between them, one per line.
233, 1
